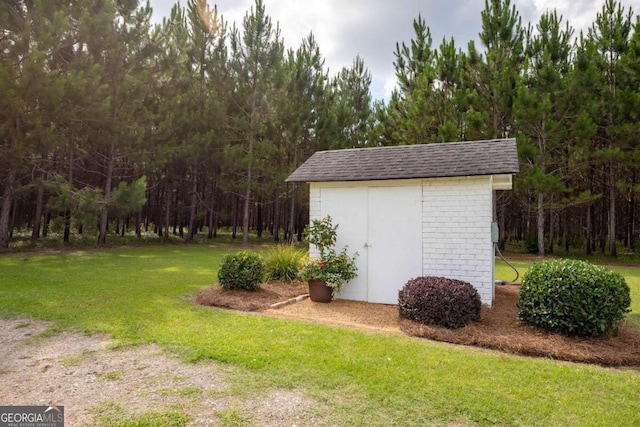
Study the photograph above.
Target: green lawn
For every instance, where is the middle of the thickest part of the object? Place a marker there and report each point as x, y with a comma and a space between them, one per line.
139, 295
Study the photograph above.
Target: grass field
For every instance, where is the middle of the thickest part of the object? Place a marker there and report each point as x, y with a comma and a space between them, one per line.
141, 295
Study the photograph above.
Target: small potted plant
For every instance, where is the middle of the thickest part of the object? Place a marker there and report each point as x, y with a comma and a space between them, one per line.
328, 272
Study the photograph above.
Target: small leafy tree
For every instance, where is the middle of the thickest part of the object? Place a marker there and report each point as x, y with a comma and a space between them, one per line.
335, 268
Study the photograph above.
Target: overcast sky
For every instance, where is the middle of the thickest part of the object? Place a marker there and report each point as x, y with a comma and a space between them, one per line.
371, 28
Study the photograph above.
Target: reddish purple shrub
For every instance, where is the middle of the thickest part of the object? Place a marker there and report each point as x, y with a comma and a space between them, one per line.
439, 301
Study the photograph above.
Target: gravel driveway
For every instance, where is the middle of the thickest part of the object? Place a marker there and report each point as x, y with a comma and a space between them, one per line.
95, 380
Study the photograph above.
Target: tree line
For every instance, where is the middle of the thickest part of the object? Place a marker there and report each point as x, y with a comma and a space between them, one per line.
111, 124
571, 100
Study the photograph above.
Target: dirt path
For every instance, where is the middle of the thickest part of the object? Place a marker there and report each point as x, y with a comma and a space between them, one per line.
100, 385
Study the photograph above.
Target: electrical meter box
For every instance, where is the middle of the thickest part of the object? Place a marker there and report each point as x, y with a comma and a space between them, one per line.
495, 234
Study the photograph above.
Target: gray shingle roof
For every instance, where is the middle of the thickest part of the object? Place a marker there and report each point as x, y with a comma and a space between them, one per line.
492, 157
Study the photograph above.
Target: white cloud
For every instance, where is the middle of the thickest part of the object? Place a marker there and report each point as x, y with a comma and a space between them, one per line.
580, 14
389, 85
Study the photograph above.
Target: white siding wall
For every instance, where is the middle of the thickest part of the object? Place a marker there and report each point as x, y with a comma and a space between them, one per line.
457, 214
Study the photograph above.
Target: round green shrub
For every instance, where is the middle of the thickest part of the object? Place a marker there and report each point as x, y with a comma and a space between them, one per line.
573, 298
241, 270
439, 301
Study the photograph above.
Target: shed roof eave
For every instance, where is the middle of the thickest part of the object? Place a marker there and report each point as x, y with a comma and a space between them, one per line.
501, 180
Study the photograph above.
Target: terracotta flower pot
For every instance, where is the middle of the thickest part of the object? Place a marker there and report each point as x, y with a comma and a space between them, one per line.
319, 291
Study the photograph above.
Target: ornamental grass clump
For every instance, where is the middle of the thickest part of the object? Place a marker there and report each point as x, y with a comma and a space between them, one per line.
573, 298
333, 267
283, 263
242, 270
439, 301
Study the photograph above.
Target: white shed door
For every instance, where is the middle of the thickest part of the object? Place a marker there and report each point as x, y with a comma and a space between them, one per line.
348, 208
384, 225
394, 240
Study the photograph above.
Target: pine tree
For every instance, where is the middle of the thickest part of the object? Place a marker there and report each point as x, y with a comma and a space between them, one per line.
257, 55
352, 105
411, 109
610, 34
541, 107
26, 46
496, 73
630, 100
297, 123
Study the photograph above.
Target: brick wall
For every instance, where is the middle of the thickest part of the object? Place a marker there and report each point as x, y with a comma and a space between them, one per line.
457, 215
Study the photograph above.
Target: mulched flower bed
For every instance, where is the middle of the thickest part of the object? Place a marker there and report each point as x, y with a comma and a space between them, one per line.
499, 328
269, 293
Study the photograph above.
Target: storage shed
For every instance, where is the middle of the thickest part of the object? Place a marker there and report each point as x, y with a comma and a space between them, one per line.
415, 210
